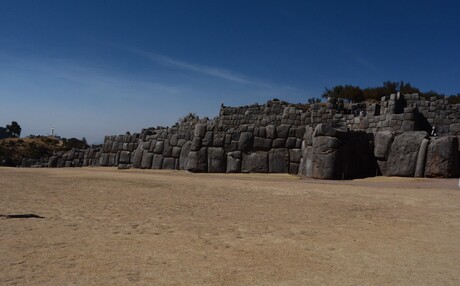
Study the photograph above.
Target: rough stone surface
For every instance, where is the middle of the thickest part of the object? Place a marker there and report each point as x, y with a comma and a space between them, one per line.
158, 149
234, 162
278, 161
157, 162
325, 157
137, 157
125, 157
382, 144
442, 157
246, 141
256, 162
263, 144
421, 158
216, 160
169, 164
403, 155
184, 154
146, 162
198, 161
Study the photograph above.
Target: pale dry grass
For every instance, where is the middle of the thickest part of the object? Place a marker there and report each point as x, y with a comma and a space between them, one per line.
103, 226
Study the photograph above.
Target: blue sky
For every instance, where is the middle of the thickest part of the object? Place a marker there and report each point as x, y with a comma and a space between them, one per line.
90, 68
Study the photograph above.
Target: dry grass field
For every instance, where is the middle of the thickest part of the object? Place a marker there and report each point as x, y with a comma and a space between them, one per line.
103, 226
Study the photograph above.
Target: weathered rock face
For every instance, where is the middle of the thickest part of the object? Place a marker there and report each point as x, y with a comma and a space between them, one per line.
256, 162
325, 162
146, 162
278, 160
442, 158
382, 144
314, 141
234, 162
125, 157
198, 161
216, 160
421, 158
404, 152
185, 151
335, 154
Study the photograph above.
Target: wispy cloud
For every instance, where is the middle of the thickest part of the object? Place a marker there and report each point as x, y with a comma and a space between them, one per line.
212, 71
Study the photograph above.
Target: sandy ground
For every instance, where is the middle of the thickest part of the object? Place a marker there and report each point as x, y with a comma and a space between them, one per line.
103, 226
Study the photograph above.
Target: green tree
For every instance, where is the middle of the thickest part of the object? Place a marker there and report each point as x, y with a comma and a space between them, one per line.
13, 130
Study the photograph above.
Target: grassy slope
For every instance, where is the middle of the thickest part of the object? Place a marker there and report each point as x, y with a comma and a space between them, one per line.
13, 150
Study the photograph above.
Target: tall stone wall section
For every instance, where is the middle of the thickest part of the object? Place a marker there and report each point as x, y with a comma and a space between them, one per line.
273, 137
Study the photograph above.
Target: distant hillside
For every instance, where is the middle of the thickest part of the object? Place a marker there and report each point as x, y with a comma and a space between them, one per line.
13, 150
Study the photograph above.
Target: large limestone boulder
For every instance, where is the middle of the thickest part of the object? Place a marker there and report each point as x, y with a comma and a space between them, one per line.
278, 161
198, 161
382, 144
200, 130
264, 144
146, 162
125, 157
256, 162
137, 157
402, 160
216, 160
442, 158
421, 158
169, 164
325, 157
184, 153
157, 162
104, 160
245, 141
158, 148
234, 162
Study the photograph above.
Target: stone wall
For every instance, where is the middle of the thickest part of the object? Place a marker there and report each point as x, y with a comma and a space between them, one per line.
277, 136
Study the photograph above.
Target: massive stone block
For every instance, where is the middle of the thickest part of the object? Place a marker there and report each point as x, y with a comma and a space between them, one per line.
278, 160
421, 158
403, 155
196, 143
442, 158
256, 162
234, 162
264, 144
270, 131
125, 157
246, 141
146, 162
200, 130
295, 155
184, 153
158, 148
279, 143
219, 138
167, 149
137, 157
169, 164
176, 152
325, 157
157, 162
208, 139
282, 131
382, 144
216, 160
197, 161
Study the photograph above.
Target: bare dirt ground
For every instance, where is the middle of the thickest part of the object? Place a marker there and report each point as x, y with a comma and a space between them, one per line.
102, 226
